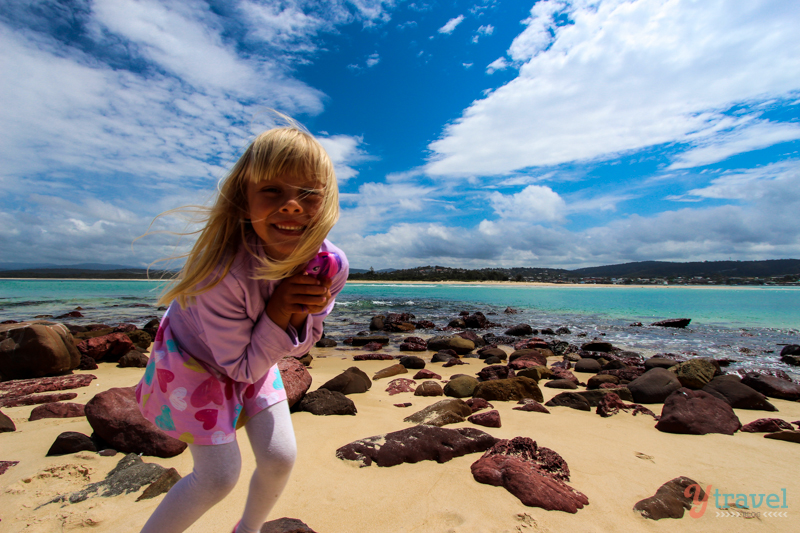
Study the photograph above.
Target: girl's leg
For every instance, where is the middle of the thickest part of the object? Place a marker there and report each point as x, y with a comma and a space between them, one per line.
272, 438
216, 469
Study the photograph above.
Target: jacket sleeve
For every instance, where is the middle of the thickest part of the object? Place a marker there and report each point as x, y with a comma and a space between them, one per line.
243, 348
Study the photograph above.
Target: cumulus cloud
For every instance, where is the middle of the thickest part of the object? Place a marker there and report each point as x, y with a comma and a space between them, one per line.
345, 151
481, 31
533, 203
451, 25
622, 76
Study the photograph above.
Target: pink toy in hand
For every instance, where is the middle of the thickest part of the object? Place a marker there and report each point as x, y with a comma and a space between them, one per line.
325, 265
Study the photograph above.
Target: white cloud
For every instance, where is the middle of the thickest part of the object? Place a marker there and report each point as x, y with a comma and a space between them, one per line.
533, 203
624, 75
373, 60
451, 25
498, 64
481, 31
345, 152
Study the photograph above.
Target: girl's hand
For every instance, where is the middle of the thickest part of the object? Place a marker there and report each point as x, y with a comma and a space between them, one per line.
295, 297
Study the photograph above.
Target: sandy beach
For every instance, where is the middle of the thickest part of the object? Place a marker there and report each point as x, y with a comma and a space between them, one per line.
614, 461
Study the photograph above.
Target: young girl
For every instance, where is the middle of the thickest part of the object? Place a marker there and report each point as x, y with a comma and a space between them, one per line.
242, 302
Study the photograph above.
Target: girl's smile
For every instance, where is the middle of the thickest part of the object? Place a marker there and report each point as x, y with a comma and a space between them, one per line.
280, 211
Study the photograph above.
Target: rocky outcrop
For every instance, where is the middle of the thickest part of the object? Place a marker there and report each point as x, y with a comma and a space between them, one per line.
35, 349
536, 475
415, 444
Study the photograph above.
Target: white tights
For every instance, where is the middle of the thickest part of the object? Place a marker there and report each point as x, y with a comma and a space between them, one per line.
216, 470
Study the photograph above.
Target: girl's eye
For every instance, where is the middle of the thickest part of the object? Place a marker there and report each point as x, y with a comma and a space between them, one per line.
271, 190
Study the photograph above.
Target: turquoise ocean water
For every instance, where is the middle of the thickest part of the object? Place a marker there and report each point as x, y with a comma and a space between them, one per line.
748, 325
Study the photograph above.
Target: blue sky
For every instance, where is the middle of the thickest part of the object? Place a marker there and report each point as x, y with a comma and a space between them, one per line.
472, 134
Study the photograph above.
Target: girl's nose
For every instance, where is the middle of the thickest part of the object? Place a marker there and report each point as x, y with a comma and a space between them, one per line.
292, 206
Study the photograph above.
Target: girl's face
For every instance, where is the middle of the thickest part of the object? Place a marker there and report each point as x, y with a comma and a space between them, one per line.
280, 211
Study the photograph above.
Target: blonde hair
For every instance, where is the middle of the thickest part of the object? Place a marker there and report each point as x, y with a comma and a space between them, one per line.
280, 151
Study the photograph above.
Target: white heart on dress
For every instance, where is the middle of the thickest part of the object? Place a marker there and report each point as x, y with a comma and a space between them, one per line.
177, 398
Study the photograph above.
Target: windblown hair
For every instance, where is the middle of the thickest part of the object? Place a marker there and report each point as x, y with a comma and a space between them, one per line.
277, 152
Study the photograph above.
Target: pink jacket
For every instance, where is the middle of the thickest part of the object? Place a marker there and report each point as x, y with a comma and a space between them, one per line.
228, 329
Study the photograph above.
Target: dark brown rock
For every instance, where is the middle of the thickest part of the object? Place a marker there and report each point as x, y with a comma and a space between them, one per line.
133, 359
373, 357
738, 395
520, 330
654, 386
535, 476
561, 384
453, 362
429, 388
697, 413
495, 372
6, 424
586, 364
35, 349
458, 344
326, 342
537, 373
772, 386
57, 410
489, 419
485, 353
597, 346
594, 396
351, 381
71, 442
572, 400
695, 373
324, 402
366, 339
286, 525
115, 417
673, 323
412, 362
788, 436
596, 381
389, 372
296, 378
659, 362
670, 500
511, 389
415, 444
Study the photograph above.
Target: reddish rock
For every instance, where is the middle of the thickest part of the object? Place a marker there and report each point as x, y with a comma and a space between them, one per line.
538, 355
405, 404
453, 362
670, 500
5, 465
296, 379
34, 399
611, 404
491, 351
372, 346
408, 346
738, 395
531, 405
426, 374
57, 410
396, 386
373, 357
495, 372
697, 413
563, 373
767, 425
489, 419
476, 404
415, 444
106, 347
534, 475
115, 418
23, 387
35, 349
